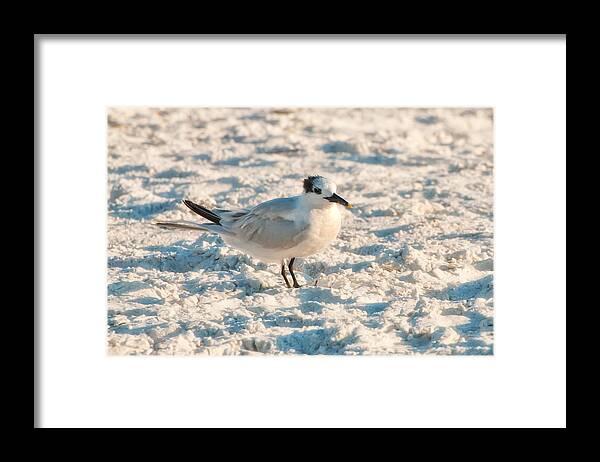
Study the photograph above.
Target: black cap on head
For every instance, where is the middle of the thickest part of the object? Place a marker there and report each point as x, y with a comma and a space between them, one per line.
309, 183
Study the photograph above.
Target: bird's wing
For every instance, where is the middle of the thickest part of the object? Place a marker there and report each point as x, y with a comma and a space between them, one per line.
272, 225
231, 214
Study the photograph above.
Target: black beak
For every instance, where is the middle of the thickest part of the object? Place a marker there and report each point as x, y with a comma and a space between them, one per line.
339, 200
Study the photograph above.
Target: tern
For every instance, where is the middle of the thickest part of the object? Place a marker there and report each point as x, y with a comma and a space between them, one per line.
279, 229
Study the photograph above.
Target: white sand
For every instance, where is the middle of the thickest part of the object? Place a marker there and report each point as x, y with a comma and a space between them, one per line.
411, 271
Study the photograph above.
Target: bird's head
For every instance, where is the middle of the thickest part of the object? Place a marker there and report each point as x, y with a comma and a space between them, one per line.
318, 187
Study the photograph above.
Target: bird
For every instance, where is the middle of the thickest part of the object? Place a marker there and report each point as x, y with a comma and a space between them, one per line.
279, 229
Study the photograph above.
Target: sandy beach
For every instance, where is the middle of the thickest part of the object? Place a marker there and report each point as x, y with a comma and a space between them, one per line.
410, 273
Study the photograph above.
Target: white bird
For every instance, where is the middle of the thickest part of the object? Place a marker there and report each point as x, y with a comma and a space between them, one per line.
279, 229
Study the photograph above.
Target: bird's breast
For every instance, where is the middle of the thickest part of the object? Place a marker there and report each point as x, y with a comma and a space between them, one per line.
325, 225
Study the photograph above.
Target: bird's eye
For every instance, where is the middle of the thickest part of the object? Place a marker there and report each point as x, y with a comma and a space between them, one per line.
317, 190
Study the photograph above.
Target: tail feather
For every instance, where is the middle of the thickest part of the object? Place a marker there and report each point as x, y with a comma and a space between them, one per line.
180, 225
203, 211
210, 227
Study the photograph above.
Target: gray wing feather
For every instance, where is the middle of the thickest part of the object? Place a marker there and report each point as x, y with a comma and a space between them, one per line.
269, 224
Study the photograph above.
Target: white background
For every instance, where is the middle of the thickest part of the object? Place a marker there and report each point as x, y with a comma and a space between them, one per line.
523, 384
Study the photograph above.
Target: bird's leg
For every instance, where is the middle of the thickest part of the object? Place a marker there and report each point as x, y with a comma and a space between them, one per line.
287, 283
291, 268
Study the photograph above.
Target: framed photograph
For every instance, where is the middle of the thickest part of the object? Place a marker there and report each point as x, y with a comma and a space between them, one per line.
299, 231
